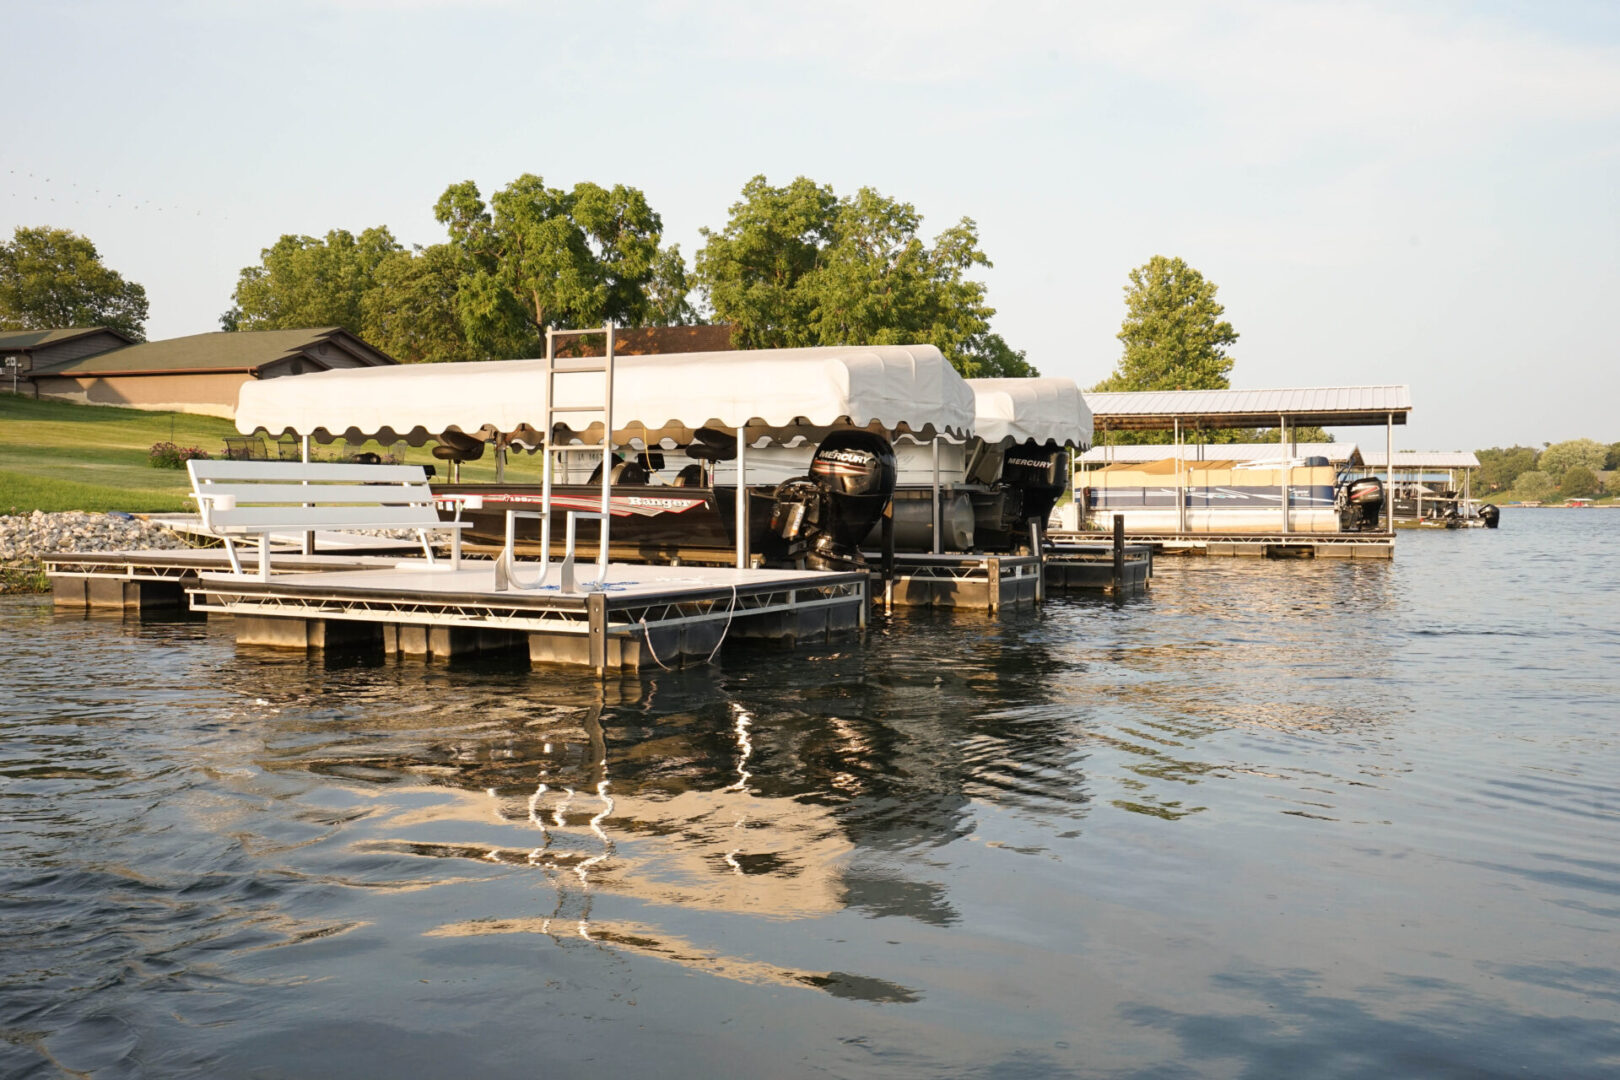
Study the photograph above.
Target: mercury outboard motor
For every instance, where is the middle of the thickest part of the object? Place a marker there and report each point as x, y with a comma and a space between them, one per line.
1491, 515
1036, 475
823, 517
1360, 504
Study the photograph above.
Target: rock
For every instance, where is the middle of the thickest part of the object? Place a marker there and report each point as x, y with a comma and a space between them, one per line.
28, 537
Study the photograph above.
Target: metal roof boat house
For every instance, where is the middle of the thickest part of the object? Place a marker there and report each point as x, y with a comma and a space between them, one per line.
1303, 486
626, 413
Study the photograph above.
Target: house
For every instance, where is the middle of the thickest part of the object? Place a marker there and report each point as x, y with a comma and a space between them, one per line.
197, 374
21, 351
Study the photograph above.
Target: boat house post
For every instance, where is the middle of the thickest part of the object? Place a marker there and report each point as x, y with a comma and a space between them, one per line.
937, 547
1282, 444
742, 497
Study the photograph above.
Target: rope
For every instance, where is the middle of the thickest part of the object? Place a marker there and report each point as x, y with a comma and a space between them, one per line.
646, 634
727, 630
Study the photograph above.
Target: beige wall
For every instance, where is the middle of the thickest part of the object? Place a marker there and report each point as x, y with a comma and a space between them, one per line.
205, 395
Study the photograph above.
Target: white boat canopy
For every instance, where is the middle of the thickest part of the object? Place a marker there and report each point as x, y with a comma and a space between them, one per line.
1037, 410
778, 394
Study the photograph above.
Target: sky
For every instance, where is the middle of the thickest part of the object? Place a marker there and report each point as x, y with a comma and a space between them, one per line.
1408, 193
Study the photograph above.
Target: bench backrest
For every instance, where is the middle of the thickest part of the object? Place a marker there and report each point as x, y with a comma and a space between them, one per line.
312, 495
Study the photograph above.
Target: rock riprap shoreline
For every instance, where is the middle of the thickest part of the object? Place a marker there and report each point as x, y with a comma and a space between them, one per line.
28, 537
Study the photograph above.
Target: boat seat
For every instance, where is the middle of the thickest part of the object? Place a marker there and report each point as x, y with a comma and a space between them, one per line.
691, 476
711, 445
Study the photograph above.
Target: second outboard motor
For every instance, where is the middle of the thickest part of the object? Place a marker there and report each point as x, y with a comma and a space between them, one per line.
1360, 504
823, 517
1037, 473
1491, 515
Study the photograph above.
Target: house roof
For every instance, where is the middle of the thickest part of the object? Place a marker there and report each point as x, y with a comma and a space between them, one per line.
22, 341
218, 352
1160, 410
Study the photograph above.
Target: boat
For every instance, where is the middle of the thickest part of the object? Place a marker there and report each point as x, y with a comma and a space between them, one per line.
1227, 495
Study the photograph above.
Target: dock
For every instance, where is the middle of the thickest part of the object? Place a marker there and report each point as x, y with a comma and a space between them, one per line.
975, 582
1277, 545
157, 580
639, 617
1097, 567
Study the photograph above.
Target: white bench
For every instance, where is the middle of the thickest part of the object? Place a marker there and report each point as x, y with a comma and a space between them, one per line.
257, 498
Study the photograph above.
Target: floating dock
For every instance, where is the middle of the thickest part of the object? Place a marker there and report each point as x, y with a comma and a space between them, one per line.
975, 582
641, 617
1091, 567
1255, 545
158, 580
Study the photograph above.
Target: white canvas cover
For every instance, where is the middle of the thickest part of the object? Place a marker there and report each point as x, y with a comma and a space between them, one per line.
1023, 410
778, 393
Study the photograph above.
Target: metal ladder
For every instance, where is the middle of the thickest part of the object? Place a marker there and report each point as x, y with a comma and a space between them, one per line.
506, 561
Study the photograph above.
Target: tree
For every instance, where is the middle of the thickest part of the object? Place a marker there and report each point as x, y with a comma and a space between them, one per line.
1534, 485
1499, 467
54, 279
539, 256
410, 311
1611, 459
1579, 482
1560, 457
303, 281
798, 266
1173, 333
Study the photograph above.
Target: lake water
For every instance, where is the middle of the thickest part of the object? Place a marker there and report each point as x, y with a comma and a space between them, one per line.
1282, 819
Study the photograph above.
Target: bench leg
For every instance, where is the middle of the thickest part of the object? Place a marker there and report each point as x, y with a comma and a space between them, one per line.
230, 553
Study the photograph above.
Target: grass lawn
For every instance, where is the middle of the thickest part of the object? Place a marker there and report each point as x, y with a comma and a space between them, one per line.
58, 456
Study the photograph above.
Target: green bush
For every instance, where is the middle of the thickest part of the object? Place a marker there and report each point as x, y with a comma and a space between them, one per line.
1534, 485
168, 455
1579, 482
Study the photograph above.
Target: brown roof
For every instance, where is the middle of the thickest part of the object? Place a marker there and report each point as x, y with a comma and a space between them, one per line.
24, 341
220, 351
653, 340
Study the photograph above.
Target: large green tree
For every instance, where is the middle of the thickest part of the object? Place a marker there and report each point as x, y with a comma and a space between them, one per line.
1559, 457
410, 311
538, 256
1500, 467
54, 279
306, 281
1173, 334
797, 265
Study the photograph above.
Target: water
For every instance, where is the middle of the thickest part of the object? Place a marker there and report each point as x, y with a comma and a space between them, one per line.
1274, 820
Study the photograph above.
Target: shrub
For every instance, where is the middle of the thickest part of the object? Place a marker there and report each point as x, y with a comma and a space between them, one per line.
1579, 482
1534, 485
168, 455
1559, 457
